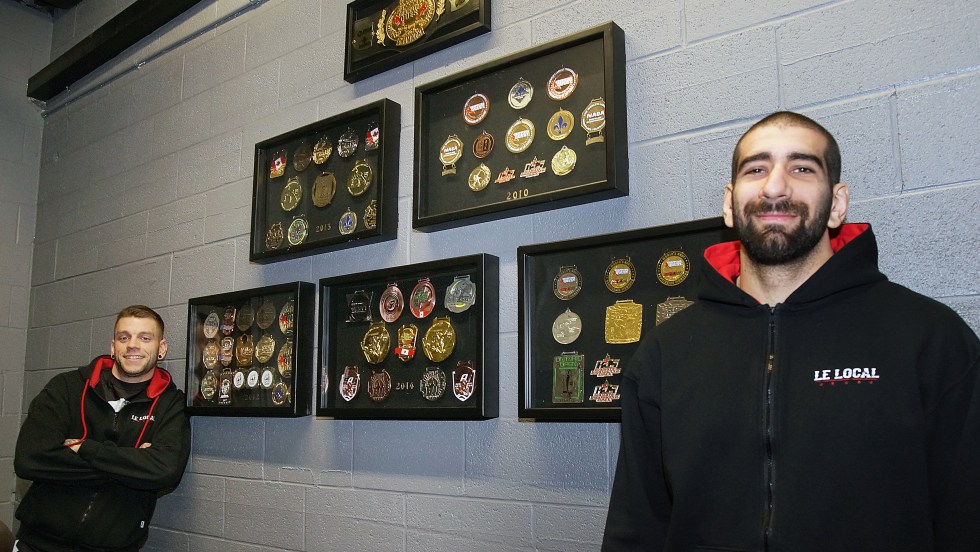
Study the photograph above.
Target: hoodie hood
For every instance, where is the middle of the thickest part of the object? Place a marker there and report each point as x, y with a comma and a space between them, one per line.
158, 383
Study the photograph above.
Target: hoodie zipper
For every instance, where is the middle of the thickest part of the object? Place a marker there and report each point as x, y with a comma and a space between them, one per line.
770, 360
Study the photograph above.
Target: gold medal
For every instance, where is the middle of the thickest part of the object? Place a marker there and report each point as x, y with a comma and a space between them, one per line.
520, 135
285, 359
620, 275
287, 318
281, 394
594, 120
297, 231
211, 325
564, 161
408, 21
371, 215
476, 109
673, 268
566, 327
273, 238
483, 145
246, 317
479, 178
266, 315
302, 157
360, 178
209, 385
568, 283
439, 340
561, 124
291, 194
324, 188
520, 94
244, 350
375, 343
348, 222
406, 342
562, 84
210, 354
670, 307
322, 150
624, 322
227, 352
449, 153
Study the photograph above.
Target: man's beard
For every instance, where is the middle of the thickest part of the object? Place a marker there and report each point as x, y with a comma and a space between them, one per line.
772, 245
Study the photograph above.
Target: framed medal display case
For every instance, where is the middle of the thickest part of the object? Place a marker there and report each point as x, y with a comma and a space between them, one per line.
382, 34
250, 353
584, 304
328, 185
411, 342
540, 129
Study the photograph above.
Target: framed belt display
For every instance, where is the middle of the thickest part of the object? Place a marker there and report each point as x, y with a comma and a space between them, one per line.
412, 342
382, 34
329, 185
540, 129
250, 352
584, 305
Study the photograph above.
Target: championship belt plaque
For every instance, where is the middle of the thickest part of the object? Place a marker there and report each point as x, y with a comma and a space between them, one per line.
246, 317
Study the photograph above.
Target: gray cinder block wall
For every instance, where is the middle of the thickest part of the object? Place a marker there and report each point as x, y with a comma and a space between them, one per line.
144, 197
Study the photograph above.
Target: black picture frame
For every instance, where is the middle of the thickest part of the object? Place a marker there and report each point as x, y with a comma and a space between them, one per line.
445, 199
476, 341
266, 388
665, 263
364, 53
272, 236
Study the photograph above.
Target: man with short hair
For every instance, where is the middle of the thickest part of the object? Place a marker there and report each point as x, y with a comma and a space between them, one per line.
100, 443
803, 403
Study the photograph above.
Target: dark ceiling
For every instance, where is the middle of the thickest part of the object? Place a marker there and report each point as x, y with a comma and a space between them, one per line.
49, 6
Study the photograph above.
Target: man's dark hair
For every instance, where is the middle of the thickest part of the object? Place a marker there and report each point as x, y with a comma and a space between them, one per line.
831, 154
140, 311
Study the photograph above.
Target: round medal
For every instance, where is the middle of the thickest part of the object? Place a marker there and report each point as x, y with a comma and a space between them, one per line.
287, 317
594, 120
379, 386
297, 231
246, 317
392, 303
520, 94
302, 157
291, 194
433, 384
673, 268
371, 215
439, 340
620, 275
460, 295
348, 222
227, 352
520, 135
324, 188
244, 350
483, 145
267, 378
562, 84
280, 394
476, 109
239, 380
479, 178
211, 325
423, 298
322, 150
265, 348
376, 343
285, 359
360, 178
568, 282
266, 315
561, 124
564, 161
567, 327
209, 385
273, 238
347, 144
252, 379
210, 354
449, 153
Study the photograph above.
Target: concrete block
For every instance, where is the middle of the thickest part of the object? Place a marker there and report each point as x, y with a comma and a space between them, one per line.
510, 347
710, 161
313, 70
327, 533
202, 271
126, 245
424, 541
494, 237
155, 184
932, 138
708, 18
181, 126
229, 447
283, 28
12, 141
91, 119
69, 344
202, 514
265, 513
16, 265
211, 544
146, 283
97, 294
77, 254
299, 450
209, 165
270, 125
19, 182
429, 456
14, 342
9, 428
36, 357
19, 307
486, 521
507, 294
124, 150
252, 275
151, 89
4, 305
103, 330
185, 235
51, 303
27, 26
12, 399
43, 262
503, 460
356, 505
163, 540
968, 308
559, 528
245, 98
214, 61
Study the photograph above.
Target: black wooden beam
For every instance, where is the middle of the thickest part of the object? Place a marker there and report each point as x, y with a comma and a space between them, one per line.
134, 23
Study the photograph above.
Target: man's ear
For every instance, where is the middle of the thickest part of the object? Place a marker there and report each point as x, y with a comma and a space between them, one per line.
838, 206
163, 348
726, 206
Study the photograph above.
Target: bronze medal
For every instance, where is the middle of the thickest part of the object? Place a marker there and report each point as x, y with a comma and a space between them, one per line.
209, 385
246, 317
620, 275
464, 380
372, 138
594, 120
277, 167
568, 282
670, 307
624, 322
439, 340
408, 21
673, 268
360, 177
519, 135
449, 153
291, 195
392, 303
376, 343
322, 150
350, 383
566, 327
433, 384
505, 176
606, 367
520, 94
423, 298
460, 295
285, 359
244, 350
483, 145
534, 168
302, 157
287, 317
210, 354
265, 348
407, 335
298, 230
561, 124
281, 394
348, 222
564, 161
371, 215
266, 315
568, 382
476, 109
562, 84
324, 188
211, 325
347, 143
379, 385
227, 352
479, 178
273, 238
605, 393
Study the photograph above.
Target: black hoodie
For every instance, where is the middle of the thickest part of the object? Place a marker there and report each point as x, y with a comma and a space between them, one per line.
845, 418
101, 498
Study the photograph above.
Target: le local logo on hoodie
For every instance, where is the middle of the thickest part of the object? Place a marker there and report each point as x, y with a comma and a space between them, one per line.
846, 376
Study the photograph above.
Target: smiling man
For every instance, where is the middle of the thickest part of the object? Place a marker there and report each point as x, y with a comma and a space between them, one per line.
804, 402
100, 443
